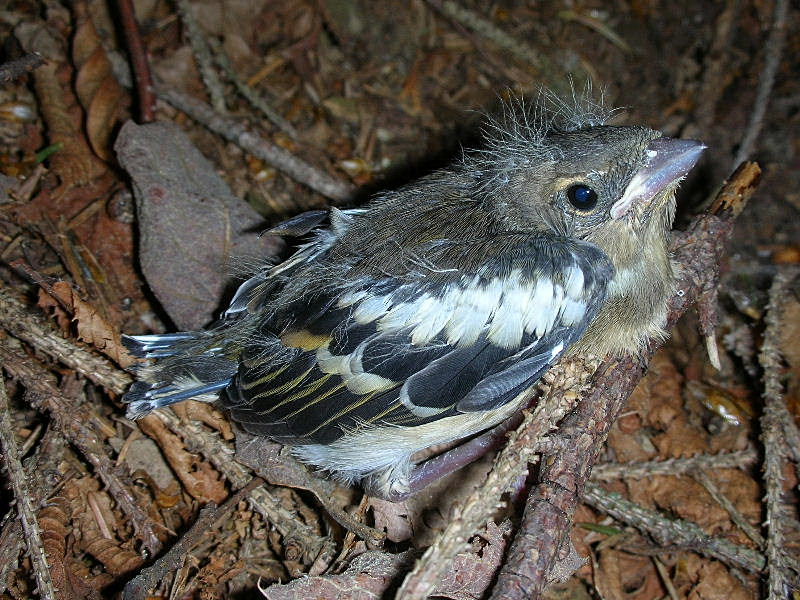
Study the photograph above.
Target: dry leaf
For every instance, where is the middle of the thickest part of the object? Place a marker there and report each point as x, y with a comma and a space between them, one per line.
92, 327
95, 520
367, 578
103, 99
198, 476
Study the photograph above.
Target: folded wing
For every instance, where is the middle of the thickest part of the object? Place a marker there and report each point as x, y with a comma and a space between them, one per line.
409, 351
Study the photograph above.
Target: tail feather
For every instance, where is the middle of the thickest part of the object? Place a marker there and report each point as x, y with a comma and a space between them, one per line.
144, 397
142, 346
182, 368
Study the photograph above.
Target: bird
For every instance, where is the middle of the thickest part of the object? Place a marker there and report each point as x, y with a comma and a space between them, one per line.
424, 316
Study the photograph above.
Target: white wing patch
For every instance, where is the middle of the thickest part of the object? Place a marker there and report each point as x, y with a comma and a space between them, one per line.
430, 318
350, 368
371, 308
505, 310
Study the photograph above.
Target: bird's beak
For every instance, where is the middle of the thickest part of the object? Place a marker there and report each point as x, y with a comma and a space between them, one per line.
668, 161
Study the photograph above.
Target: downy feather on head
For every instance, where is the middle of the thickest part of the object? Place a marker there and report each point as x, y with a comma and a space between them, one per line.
516, 135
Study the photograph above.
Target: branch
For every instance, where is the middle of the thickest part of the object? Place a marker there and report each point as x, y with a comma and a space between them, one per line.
141, 66
774, 49
774, 439
23, 497
28, 326
235, 132
674, 466
11, 70
673, 532
44, 395
210, 516
552, 502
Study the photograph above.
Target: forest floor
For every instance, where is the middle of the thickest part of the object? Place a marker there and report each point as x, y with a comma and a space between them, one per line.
107, 228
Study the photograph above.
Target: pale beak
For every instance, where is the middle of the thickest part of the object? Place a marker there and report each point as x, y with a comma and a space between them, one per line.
669, 160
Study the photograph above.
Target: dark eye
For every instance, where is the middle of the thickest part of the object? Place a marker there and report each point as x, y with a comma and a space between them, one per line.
582, 196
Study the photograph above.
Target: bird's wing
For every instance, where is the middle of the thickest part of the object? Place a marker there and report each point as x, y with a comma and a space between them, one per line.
406, 351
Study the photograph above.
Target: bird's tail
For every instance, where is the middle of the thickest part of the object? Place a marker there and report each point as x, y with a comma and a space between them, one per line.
185, 368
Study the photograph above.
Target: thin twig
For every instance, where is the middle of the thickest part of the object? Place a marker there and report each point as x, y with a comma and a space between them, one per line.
202, 54
490, 31
672, 532
235, 132
674, 466
141, 66
28, 326
774, 50
288, 524
774, 441
665, 579
43, 394
49, 454
202, 441
210, 515
23, 497
249, 94
736, 516
11, 70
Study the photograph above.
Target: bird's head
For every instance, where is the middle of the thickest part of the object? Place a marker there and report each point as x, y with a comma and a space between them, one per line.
610, 185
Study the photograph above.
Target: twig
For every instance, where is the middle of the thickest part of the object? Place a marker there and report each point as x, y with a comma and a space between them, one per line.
210, 515
509, 467
43, 337
665, 579
716, 67
288, 525
674, 466
672, 532
43, 394
271, 461
11, 70
202, 441
49, 454
548, 512
791, 432
774, 50
279, 158
141, 66
597, 25
202, 54
490, 31
31, 328
773, 439
23, 497
249, 94
551, 504
736, 516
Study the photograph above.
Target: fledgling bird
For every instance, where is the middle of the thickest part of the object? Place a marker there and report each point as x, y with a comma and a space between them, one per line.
424, 316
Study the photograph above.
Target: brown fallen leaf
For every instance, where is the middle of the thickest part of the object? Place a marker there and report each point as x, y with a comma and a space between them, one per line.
104, 101
367, 578
198, 476
92, 327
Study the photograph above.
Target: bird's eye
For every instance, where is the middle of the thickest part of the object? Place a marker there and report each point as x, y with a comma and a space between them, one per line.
582, 196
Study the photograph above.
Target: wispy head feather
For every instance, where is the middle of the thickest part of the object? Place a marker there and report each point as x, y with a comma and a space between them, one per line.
516, 136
